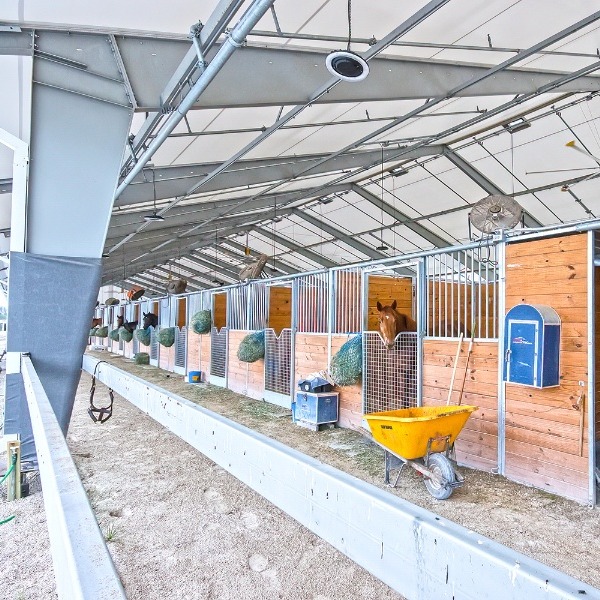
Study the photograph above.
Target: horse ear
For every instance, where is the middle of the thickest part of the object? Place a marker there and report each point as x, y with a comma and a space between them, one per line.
394, 304
379, 307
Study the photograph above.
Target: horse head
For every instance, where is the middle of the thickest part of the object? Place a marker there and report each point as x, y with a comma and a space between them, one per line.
130, 326
120, 321
392, 322
150, 319
96, 321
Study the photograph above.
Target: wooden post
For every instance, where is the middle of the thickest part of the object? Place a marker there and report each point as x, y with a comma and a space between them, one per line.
460, 339
13, 447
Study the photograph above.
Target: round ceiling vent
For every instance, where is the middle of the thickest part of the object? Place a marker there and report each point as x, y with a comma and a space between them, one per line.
347, 66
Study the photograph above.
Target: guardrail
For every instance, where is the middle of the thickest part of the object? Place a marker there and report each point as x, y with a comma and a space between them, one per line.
83, 567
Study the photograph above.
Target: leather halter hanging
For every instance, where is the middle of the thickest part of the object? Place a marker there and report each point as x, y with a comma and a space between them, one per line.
104, 413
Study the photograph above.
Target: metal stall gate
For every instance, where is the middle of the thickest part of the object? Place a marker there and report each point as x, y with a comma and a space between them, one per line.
279, 348
391, 376
180, 334
219, 338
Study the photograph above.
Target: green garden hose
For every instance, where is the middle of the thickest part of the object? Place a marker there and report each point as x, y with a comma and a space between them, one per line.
10, 470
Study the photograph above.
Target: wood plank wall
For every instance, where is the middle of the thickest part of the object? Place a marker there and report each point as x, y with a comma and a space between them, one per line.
350, 407
386, 290
166, 357
477, 445
348, 303
193, 351
280, 308
205, 356
242, 377
542, 428
219, 310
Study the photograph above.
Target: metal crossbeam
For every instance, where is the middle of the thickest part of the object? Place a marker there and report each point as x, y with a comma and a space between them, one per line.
309, 254
483, 182
402, 218
349, 240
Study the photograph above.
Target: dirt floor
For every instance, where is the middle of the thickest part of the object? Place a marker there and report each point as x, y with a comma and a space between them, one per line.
228, 542
553, 530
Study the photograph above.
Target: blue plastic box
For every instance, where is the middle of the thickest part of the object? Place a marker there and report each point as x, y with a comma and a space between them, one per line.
310, 409
195, 377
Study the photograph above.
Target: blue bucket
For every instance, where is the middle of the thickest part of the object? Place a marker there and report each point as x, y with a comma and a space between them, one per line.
195, 377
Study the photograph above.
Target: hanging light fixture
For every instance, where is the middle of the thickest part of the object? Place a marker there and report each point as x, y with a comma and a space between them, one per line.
154, 216
345, 64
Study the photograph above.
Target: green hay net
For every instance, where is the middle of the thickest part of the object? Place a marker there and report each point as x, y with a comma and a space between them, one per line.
102, 331
252, 347
113, 334
124, 335
166, 336
111, 302
143, 336
201, 322
93, 331
141, 358
346, 365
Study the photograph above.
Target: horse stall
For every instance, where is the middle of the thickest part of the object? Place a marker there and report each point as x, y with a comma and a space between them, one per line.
247, 313
391, 372
181, 332
460, 350
166, 319
154, 351
198, 345
548, 430
219, 340
279, 344
129, 317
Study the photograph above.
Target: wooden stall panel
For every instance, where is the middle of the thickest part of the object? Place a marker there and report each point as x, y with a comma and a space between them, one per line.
348, 304
350, 408
280, 308
204, 364
193, 351
311, 354
242, 377
477, 445
386, 290
167, 358
219, 310
543, 429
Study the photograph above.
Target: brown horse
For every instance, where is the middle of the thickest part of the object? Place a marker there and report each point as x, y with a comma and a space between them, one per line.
96, 322
392, 322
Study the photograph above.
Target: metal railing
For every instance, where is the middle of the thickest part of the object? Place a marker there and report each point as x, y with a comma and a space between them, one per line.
83, 567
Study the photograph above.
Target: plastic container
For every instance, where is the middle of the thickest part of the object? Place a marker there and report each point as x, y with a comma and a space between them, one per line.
195, 377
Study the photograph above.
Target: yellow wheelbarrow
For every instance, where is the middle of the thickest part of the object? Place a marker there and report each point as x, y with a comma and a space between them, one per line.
423, 438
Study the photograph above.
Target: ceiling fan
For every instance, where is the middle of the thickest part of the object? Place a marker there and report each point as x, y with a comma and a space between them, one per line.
495, 212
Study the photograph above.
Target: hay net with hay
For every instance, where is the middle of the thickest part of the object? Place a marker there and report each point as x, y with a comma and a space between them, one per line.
142, 336
252, 347
166, 336
201, 322
124, 335
346, 365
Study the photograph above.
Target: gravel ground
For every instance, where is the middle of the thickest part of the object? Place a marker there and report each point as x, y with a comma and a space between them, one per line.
179, 526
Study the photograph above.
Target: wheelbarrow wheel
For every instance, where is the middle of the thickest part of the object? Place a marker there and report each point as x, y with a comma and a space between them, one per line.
441, 467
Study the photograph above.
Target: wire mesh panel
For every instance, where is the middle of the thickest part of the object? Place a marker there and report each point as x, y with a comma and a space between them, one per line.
462, 293
348, 301
278, 361
218, 352
313, 303
390, 378
180, 347
153, 347
198, 301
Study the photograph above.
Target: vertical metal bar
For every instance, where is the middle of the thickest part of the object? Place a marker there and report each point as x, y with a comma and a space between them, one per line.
331, 312
452, 284
421, 311
445, 255
501, 297
591, 383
